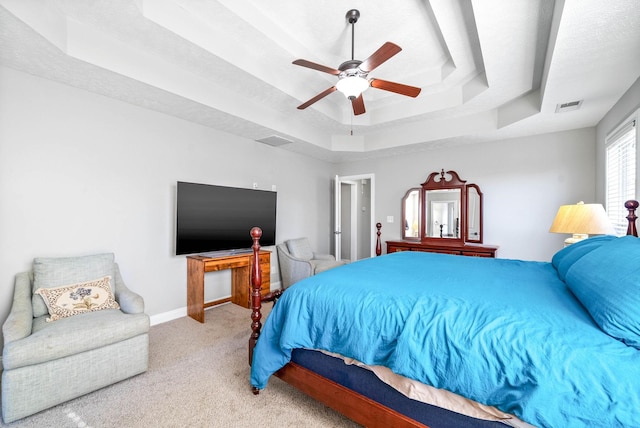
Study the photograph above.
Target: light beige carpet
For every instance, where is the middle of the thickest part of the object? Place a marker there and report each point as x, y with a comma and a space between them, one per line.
198, 377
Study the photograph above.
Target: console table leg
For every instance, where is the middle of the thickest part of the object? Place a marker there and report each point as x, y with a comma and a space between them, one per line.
195, 290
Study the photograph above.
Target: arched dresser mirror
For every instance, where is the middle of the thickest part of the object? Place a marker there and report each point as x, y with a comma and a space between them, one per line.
411, 214
443, 215
474, 214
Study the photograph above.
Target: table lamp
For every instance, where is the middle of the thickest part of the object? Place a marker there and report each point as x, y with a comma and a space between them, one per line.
581, 220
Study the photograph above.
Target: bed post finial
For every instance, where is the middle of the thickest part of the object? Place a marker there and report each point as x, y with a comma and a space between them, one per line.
378, 243
256, 291
631, 206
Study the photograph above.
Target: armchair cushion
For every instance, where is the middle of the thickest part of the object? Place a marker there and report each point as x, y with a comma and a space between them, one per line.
55, 272
300, 248
73, 335
70, 300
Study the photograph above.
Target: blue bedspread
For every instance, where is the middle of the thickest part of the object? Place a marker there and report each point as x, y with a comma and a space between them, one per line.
505, 333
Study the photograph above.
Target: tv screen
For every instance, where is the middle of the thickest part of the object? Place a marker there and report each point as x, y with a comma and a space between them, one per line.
216, 218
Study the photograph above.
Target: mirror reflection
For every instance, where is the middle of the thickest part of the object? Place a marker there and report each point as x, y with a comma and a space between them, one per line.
443, 215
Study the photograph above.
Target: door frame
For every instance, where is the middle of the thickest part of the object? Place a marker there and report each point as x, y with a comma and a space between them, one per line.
353, 220
337, 213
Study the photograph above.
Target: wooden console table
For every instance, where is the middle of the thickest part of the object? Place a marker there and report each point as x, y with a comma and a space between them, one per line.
240, 265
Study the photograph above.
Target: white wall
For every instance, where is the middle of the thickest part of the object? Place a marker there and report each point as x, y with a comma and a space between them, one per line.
524, 181
81, 174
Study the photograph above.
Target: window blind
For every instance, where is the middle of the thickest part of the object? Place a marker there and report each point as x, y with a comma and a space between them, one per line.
621, 173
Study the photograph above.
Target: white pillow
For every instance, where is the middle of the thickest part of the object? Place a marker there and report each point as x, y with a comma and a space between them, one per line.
74, 299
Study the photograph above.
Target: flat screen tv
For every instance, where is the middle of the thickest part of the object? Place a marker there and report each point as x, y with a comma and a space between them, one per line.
217, 218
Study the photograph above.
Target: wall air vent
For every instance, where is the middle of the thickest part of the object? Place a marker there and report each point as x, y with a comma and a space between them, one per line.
572, 105
274, 141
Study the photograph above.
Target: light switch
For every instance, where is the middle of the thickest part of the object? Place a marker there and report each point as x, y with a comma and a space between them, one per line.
389, 219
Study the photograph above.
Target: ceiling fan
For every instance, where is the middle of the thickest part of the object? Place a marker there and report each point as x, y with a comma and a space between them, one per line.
353, 74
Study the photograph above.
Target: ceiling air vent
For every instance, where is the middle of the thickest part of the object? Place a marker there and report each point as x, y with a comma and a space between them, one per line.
572, 105
274, 141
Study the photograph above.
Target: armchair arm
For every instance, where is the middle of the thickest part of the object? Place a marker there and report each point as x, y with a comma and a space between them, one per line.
18, 324
300, 269
317, 256
129, 301
292, 269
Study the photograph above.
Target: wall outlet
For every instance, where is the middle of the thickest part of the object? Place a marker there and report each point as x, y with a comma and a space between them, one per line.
389, 219
255, 185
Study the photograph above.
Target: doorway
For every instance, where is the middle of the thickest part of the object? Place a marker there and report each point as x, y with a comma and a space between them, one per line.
354, 217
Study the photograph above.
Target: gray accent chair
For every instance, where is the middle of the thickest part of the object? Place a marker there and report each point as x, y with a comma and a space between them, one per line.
298, 261
48, 363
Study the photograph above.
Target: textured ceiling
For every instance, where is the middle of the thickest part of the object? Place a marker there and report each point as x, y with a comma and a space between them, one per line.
488, 69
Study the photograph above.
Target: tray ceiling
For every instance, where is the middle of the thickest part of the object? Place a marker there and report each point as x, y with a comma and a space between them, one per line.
488, 69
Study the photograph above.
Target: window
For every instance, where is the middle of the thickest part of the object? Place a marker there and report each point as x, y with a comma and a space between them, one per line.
621, 172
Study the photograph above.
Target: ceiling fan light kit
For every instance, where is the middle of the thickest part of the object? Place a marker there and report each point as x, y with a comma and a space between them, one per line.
353, 74
352, 86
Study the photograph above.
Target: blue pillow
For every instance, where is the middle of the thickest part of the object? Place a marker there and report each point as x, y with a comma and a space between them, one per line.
566, 257
607, 283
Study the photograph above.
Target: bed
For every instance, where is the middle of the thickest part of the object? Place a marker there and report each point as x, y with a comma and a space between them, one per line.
423, 339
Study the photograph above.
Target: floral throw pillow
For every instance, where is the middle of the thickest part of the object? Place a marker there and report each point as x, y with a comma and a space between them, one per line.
69, 300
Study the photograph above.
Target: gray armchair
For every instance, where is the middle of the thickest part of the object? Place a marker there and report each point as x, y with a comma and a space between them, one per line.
48, 363
298, 261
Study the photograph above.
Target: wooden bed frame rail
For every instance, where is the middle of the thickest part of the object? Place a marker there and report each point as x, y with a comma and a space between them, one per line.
351, 404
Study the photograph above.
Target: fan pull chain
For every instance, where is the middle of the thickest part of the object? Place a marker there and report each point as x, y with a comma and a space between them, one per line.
351, 117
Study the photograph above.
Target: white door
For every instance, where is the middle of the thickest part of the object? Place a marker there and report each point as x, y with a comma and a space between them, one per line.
337, 218
354, 217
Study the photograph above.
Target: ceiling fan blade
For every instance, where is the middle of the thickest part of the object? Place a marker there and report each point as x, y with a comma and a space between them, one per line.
318, 97
385, 52
313, 65
358, 105
398, 88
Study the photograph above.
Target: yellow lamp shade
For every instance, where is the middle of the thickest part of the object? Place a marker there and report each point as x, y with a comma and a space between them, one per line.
581, 220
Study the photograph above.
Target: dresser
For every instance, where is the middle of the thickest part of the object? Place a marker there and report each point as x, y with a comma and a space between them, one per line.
443, 215
457, 248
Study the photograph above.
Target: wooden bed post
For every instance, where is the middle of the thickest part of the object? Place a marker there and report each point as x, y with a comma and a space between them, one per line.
256, 291
256, 295
378, 243
631, 206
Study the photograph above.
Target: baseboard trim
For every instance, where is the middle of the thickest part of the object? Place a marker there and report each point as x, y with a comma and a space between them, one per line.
181, 312
168, 316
